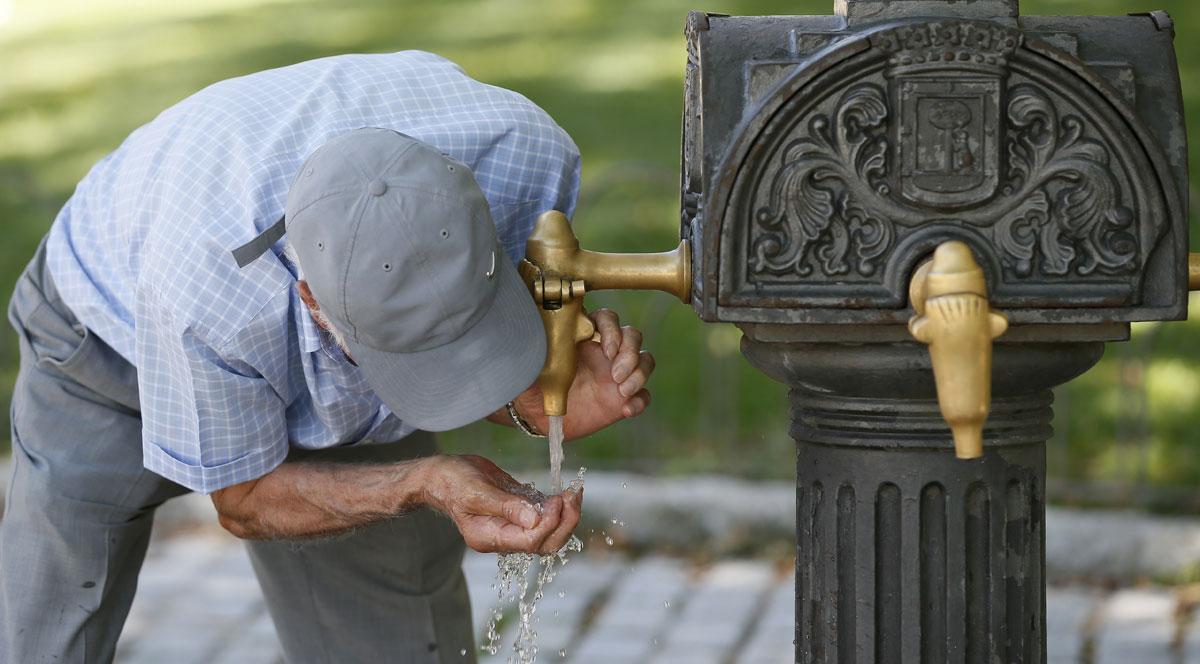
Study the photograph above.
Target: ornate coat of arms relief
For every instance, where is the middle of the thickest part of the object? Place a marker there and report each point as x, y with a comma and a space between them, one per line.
952, 125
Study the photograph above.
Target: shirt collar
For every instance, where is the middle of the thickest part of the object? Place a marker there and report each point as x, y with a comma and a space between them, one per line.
312, 337
310, 333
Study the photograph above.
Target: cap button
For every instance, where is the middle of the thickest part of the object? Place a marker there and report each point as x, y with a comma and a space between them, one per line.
377, 188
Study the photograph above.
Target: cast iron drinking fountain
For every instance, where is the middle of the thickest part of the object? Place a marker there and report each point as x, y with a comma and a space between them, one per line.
922, 215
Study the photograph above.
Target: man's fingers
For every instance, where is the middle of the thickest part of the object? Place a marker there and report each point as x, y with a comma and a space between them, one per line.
571, 513
551, 516
609, 327
532, 540
561, 514
489, 534
637, 379
490, 501
521, 513
626, 359
486, 533
637, 404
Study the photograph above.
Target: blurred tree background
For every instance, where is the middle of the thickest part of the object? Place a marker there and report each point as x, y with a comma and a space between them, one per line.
79, 75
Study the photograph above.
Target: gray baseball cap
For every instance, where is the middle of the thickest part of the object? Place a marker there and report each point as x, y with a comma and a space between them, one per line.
397, 243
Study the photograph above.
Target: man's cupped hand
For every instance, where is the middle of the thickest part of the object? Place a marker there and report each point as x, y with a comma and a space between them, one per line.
493, 511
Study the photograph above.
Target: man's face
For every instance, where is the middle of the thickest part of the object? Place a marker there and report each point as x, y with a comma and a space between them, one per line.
321, 319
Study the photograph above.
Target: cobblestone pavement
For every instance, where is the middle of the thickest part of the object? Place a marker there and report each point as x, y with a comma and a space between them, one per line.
198, 602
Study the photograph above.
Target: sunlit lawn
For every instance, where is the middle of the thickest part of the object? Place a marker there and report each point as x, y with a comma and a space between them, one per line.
77, 75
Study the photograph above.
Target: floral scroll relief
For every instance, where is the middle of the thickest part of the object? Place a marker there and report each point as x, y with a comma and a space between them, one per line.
1070, 212
814, 215
830, 206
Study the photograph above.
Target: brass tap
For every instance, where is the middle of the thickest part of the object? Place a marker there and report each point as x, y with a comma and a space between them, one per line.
559, 273
1193, 271
955, 319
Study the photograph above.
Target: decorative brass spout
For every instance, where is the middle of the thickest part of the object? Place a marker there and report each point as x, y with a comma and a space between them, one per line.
558, 274
1193, 271
955, 319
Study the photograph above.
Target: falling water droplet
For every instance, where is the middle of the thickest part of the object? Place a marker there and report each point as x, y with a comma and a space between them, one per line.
614, 520
463, 652
608, 541
624, 485
562, 652
562, 593
515, 586
667, 603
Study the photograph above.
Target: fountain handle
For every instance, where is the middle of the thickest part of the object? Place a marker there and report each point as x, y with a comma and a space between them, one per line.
955, 319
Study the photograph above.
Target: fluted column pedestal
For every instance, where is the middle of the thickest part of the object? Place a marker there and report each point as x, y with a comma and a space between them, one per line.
905, 553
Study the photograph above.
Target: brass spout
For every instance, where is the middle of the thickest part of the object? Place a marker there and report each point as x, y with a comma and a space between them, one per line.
1193, 271
559, 273
553, 247
955, 319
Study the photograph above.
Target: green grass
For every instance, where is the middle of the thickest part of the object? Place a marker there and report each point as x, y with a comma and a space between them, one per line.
79, 75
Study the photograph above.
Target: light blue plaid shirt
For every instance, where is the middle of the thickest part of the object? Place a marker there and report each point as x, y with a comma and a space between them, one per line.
231, 368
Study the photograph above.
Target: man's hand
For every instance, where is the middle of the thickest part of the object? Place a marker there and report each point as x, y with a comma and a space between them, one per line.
609, 386
304, 500
493, 511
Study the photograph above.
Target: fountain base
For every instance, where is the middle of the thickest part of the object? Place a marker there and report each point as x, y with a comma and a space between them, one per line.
906, 553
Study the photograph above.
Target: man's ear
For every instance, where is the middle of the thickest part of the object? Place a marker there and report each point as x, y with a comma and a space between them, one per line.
307, 296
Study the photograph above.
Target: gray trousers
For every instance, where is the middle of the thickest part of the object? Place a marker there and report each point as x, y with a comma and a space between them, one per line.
80, 505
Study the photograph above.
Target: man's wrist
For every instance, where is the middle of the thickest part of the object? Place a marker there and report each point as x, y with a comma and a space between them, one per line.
414, 483
522, 422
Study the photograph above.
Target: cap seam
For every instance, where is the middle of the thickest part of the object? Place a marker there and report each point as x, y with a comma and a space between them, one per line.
421, 262
362, 207
460, 335
464, 332
444, 194
403, 151
328, 194
350, 156
423, 266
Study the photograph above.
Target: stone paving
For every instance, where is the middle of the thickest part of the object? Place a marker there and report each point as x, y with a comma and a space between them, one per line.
198, 602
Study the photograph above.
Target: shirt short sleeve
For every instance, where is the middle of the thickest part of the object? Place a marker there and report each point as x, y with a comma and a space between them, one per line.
210, 417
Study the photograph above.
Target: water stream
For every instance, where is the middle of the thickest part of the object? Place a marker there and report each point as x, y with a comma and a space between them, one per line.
512, 577
556, 453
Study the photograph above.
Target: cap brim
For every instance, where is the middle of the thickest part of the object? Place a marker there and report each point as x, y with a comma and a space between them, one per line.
469, 378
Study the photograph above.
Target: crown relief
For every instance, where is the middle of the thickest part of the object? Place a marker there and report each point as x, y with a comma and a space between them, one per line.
942, 43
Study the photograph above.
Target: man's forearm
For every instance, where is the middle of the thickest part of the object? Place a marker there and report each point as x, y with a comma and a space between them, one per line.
305, 500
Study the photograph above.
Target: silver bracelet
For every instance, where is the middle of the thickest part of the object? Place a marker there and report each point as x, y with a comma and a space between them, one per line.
520, 423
